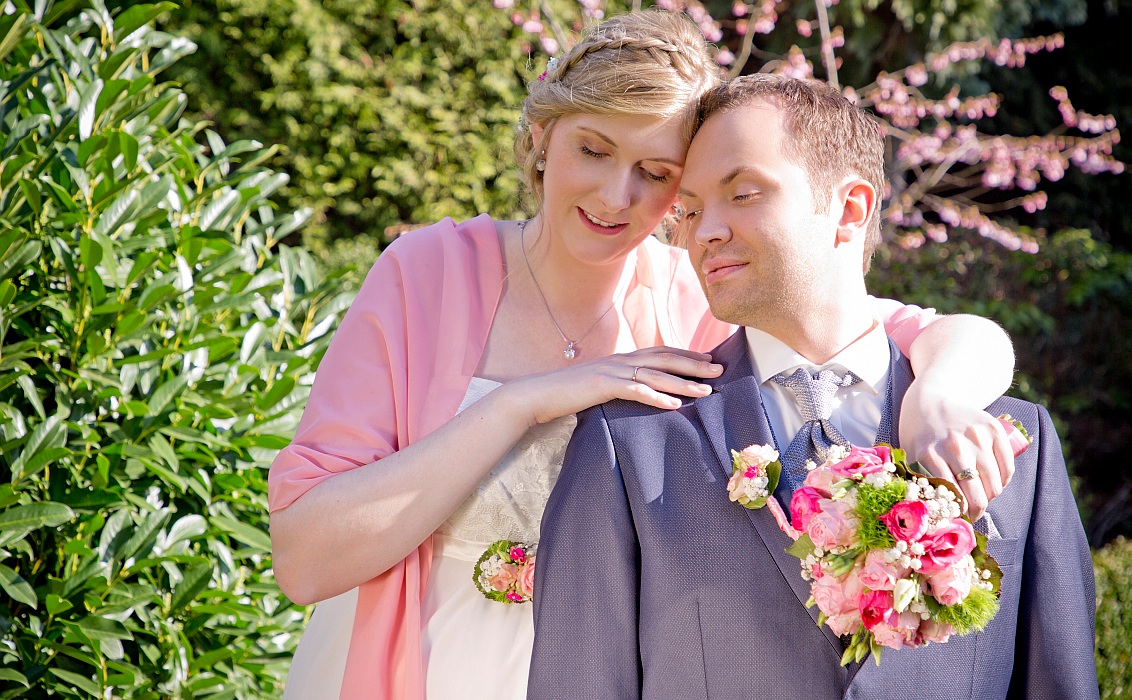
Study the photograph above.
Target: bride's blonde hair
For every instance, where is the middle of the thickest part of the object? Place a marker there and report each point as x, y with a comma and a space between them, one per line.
653, 63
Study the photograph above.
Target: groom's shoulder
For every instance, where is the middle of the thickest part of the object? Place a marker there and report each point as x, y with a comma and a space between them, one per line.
622, 410
1034, 417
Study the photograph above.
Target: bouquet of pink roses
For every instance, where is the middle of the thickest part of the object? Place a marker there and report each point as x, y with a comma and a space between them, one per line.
506, 572
890, 557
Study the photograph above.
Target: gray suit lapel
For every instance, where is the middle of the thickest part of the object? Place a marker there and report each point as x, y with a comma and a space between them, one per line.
899, 378
732, 417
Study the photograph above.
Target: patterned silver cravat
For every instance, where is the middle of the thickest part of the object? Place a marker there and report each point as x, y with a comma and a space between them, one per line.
815, 398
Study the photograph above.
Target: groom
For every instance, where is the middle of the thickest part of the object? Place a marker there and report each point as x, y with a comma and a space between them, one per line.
651, 583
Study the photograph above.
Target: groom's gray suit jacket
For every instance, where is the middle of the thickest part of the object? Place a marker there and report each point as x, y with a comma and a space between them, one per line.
651, 583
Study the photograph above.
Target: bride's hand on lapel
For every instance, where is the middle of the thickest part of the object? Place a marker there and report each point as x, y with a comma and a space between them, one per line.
651, 376
953, 440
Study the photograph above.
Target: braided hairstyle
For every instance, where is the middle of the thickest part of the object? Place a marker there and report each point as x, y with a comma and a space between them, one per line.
653, 63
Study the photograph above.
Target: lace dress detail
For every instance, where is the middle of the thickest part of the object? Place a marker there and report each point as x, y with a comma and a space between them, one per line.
508, 504
473, 647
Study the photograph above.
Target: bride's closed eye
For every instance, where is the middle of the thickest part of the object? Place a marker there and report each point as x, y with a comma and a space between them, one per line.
586, 150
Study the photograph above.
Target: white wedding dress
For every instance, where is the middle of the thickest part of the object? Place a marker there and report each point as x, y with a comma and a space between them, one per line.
472, 647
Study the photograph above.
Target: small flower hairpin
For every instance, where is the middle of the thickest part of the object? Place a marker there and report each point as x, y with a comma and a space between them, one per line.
549, 67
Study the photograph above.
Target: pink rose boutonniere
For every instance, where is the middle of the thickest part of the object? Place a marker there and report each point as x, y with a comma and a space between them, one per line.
890, 557
506, 572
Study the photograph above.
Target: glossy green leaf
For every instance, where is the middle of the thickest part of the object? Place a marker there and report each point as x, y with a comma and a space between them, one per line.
136, 16
88, 102
31, 193
196, 580
16, 587
81, 682
124, 397
34, 516
129, 146
9, 674
243, 532
12, 30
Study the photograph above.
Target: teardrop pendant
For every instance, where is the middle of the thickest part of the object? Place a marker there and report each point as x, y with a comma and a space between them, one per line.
569, 352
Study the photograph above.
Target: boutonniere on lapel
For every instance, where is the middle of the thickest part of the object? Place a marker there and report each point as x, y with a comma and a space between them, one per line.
890, 558
755, 475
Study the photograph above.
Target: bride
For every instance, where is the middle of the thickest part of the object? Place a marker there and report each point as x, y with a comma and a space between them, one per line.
442, 409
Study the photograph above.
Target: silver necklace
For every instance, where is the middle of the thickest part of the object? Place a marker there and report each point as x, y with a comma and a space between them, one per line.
571, 350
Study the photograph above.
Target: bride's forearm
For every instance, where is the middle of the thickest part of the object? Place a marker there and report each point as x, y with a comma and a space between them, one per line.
357, 524
966, 359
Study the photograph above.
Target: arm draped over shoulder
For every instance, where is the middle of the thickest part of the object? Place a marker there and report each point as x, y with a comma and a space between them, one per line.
671, 283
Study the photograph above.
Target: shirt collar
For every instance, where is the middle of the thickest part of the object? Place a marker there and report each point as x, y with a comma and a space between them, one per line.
867, 357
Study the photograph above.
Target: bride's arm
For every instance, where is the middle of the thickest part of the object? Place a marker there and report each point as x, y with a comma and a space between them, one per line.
961, 363
356, 524
349, 499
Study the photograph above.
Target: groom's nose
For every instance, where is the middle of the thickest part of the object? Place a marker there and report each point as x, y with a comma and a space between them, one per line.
711, 228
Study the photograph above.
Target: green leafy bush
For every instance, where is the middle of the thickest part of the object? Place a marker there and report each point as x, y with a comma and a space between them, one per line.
386, 111
156, 344
1113, 568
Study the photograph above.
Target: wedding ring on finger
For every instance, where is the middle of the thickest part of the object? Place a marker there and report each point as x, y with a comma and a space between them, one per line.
634, 377
967, 475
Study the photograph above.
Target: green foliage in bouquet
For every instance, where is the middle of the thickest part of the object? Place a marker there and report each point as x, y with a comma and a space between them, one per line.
1113, 568
971, 614
872, 503
156, 345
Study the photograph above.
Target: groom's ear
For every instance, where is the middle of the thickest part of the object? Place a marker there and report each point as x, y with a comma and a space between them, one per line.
858, 200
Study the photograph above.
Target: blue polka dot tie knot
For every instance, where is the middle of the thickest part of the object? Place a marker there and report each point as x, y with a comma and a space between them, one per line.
815, 396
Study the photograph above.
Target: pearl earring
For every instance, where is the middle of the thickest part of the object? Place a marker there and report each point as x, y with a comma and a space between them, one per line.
540, 164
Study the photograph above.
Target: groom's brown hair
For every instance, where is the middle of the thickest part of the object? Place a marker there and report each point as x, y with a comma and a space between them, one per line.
829, 136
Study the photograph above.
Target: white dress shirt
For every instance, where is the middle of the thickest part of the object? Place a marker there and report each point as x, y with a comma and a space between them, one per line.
857, 409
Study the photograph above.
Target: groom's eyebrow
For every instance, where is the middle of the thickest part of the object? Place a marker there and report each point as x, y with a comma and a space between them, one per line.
740, 170
723, 181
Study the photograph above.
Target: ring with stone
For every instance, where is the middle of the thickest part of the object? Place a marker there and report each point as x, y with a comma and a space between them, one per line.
635, 373
966, 475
